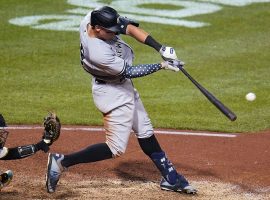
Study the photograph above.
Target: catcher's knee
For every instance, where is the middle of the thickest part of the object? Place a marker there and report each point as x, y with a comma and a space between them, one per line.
3, 152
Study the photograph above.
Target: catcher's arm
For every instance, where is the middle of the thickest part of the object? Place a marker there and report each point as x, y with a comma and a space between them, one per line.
20, 152
51, 133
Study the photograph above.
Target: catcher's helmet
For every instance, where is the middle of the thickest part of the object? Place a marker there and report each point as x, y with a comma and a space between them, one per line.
105, 17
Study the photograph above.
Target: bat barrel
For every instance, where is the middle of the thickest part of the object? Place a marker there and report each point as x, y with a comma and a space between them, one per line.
226, 111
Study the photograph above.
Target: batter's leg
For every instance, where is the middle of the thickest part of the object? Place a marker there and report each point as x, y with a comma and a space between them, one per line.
171, 179
118, 126
92, 153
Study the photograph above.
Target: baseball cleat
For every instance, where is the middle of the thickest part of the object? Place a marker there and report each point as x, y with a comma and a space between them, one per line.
5, 178
54, 170
189, 190
181, 186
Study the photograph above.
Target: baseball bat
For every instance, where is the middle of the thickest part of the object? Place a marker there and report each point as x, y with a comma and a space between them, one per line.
226, 111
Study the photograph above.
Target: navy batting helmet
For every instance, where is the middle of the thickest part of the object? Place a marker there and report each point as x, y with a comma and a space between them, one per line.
105, 17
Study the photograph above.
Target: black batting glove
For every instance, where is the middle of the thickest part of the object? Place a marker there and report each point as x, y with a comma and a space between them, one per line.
123, 22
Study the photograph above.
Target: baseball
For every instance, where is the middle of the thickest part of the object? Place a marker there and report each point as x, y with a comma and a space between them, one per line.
250, 96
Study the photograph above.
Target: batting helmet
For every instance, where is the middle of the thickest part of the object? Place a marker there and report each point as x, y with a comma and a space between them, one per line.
105, 17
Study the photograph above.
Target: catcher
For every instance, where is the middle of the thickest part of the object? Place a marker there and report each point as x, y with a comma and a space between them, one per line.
51, 133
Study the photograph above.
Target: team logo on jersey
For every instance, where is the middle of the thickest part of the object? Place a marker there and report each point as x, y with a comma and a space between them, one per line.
119, 49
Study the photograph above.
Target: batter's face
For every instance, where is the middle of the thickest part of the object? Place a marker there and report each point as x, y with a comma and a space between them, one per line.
104, 34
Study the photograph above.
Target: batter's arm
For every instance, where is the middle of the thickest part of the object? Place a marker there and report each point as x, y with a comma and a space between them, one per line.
131, 28
167, 53
146, 69
137, 33
143, 37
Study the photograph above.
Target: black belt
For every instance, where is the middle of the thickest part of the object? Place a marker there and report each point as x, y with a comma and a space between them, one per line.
98, 81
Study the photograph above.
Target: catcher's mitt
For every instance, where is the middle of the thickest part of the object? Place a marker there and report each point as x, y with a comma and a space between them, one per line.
52, 127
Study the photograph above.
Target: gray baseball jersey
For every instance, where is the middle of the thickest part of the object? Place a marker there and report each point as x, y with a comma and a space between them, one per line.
114, 95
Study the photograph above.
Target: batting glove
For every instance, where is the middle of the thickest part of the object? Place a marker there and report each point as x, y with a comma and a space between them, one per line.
173, 65
123, 22
168, 53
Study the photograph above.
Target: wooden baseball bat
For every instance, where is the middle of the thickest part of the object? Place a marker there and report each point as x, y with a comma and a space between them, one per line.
226, 111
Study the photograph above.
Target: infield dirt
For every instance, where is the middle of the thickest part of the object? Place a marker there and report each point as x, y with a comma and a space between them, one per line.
220, 168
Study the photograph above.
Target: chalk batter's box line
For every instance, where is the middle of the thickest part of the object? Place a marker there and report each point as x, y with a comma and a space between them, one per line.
92, 129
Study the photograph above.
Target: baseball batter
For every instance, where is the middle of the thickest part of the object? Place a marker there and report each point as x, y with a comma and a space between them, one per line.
108, 59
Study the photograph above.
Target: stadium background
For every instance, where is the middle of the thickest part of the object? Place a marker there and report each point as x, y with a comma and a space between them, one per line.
40, 71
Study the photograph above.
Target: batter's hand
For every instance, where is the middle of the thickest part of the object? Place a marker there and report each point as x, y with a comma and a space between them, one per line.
168, 53
172, 65
123, 22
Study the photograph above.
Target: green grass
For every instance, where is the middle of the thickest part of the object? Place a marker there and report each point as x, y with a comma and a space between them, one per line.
40, 70
160, 6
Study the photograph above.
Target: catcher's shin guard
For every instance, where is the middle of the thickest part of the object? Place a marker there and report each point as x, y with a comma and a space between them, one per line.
5, 178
